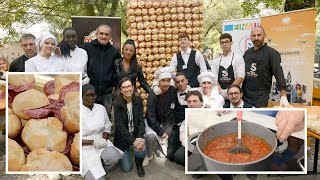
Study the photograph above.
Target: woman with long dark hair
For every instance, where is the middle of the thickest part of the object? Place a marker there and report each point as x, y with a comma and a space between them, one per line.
129, 123
128, 66
75, 58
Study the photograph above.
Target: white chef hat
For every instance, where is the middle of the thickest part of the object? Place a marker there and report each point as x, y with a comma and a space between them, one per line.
44, 37
165, 72
207, 76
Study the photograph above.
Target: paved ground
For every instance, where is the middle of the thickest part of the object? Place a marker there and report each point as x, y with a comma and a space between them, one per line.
157, 169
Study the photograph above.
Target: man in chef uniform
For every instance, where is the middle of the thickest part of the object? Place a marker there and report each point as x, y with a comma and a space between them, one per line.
229, 67
160, 116
261, 64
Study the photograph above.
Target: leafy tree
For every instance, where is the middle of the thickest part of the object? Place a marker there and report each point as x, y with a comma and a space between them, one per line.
56, 13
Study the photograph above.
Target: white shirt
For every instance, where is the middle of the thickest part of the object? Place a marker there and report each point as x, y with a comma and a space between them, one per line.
237, 64
240, 105
42, 64
215, 100
130, 117
182, 98
77, 62
185, 56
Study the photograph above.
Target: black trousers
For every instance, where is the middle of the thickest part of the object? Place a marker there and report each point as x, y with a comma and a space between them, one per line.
173, 142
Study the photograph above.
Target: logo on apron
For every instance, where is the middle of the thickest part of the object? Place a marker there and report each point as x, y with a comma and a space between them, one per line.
225, 74
253, 70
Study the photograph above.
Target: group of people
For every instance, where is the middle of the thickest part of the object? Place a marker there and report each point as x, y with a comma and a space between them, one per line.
109, 82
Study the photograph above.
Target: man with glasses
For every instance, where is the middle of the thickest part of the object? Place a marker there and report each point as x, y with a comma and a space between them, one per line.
28, 44
235, 96
229, 67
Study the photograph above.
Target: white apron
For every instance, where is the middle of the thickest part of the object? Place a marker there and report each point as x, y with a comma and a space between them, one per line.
94, 123
91, 160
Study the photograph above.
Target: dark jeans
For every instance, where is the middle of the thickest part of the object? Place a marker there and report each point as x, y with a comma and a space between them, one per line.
106, 101
126, 161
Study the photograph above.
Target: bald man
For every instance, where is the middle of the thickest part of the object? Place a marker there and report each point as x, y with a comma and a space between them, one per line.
100, 65
261, 64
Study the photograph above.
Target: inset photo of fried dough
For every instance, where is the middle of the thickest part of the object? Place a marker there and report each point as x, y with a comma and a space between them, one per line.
43, 123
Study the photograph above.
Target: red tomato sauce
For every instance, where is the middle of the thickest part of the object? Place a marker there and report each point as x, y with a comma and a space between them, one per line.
218, 149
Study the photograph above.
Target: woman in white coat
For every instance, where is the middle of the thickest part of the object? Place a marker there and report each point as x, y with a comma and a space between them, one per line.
99, 155
210, 90
46, 60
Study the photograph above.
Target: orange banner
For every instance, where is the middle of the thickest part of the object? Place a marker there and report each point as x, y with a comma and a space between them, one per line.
293, 35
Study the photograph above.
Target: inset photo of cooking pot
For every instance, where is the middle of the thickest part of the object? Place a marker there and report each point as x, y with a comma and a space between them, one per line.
246, 141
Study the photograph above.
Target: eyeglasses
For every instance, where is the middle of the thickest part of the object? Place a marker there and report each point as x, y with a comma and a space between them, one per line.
126, 87
234, 94
225, 42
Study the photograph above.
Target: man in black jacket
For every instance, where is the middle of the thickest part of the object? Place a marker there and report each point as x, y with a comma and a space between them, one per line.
28, 45
100, 66
235, 95
261, 64
160, 116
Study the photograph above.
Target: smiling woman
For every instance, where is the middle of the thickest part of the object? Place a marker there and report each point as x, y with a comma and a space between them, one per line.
128, 66
46, 60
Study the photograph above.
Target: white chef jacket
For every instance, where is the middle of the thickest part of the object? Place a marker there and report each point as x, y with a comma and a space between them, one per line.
41, 64
199, 60
237, 64
77, 62
215, 100
94, 123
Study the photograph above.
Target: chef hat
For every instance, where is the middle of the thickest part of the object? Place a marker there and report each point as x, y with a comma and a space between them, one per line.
207, 76
165, 72
44, 37
87, 87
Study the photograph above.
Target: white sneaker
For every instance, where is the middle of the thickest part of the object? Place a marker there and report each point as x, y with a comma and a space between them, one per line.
146, 160
159, 154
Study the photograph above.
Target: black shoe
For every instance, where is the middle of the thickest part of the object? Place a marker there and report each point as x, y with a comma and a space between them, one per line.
141, 172
140, 169
196, 176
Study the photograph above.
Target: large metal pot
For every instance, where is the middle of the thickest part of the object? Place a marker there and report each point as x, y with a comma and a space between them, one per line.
230, 127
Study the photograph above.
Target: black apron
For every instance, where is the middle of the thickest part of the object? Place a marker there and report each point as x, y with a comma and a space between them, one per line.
226, 76
255, 91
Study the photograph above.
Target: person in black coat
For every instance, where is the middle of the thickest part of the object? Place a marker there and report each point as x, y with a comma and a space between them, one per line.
130, 128
100, 65
235, 95
127, 66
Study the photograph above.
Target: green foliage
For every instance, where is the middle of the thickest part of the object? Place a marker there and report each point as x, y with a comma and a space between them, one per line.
215, 11
57, 14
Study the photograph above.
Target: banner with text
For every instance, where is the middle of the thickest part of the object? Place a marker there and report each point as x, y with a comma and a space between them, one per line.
240, 31
292, 34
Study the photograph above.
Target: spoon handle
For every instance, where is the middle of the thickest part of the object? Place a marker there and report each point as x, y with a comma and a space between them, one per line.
239, 119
